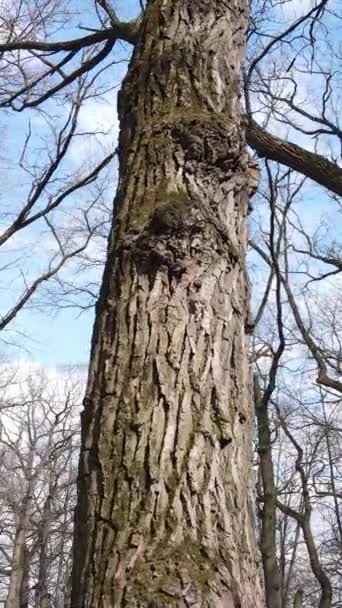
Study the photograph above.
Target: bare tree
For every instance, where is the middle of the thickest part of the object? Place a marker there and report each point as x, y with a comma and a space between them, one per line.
39, 439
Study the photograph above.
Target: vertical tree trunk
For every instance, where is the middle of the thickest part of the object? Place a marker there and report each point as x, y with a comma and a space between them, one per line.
165, 511
268, 546
41, 594
25, 583
19, 566
62, 594
298, 599
67, 590
17, 590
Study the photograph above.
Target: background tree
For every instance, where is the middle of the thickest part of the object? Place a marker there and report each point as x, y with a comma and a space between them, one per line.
39, 444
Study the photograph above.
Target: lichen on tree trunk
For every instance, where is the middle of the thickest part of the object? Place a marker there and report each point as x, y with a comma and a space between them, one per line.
165, 509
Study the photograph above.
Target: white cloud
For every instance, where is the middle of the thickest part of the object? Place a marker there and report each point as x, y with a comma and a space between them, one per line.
297, 8
99, 123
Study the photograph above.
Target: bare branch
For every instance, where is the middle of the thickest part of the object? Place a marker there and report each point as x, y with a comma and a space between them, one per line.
316, 167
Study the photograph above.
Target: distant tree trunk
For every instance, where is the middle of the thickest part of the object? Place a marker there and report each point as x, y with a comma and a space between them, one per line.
25, 583
17, 590
165, 512
18, 586
298, 599
41, 594
63, 579
268, 546
67, 589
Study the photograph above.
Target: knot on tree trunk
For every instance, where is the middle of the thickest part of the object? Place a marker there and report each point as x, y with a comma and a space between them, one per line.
210, 141
178, 234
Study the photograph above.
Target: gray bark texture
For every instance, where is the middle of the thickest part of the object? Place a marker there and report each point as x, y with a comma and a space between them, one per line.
165, 512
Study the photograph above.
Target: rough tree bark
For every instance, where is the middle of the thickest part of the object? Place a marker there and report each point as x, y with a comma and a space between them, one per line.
165, 513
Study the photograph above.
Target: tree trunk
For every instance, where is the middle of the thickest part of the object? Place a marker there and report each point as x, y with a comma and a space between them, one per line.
63, 580
17, 590
41, 592
165, 512
298, 599
25, 583
268, 546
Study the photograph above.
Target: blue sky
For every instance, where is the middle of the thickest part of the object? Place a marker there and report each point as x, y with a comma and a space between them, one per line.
50, 338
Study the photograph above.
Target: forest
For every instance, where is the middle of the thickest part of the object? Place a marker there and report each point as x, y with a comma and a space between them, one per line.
170, 308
